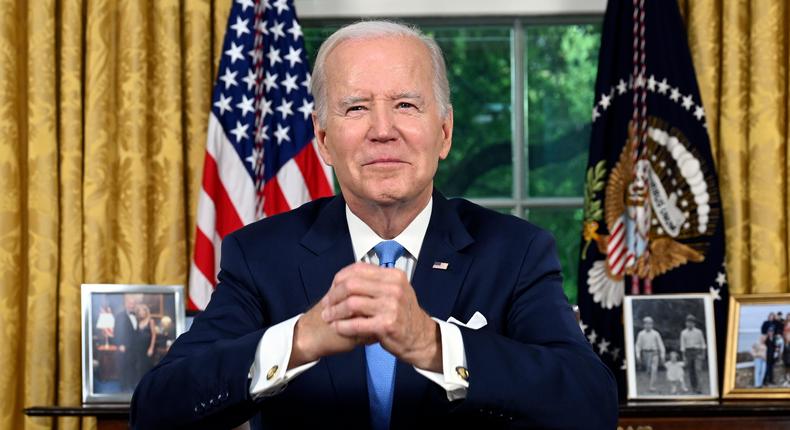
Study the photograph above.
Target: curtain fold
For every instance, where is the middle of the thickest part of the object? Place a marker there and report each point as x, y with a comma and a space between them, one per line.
740, 52
103, 114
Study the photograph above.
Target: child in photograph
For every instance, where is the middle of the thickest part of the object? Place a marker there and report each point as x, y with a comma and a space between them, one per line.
675, 373
693, 347
650, 349
759, 352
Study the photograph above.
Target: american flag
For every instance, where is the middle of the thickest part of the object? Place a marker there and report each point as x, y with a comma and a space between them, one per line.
260, 154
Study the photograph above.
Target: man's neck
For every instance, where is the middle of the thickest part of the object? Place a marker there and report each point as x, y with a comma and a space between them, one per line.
390, 220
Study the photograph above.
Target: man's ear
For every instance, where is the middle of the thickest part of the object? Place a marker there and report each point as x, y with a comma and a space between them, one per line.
320, 138
447, 135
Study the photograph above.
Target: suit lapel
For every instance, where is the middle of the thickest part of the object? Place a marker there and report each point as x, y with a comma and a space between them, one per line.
329, 240
437, 290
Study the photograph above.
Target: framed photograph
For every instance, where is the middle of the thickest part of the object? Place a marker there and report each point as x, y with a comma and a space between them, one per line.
757, 364
670, 346
126, 330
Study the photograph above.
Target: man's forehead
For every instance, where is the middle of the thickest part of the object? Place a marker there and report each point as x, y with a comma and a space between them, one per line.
378, 51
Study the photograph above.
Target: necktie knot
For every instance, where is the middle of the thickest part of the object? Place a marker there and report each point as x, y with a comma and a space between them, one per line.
388, 251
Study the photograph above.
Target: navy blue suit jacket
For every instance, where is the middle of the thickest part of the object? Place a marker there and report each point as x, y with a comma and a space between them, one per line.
529, 367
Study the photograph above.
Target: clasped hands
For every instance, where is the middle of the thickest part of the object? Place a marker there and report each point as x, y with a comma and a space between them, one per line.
367, 304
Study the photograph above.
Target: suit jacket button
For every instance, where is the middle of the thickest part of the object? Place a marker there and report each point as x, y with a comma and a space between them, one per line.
272, 372
463, 372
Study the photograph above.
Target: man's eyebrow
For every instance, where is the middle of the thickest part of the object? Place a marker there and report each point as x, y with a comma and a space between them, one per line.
406, 95
352, 100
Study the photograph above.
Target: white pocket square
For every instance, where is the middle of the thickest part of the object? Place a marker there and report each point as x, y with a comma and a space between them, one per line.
477, 321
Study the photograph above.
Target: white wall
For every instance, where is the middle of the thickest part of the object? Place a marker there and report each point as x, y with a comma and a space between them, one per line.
439, 8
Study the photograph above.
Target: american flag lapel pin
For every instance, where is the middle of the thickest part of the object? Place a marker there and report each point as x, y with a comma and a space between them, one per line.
441, 265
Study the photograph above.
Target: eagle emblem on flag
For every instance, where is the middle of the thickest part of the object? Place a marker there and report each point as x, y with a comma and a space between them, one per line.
679, 188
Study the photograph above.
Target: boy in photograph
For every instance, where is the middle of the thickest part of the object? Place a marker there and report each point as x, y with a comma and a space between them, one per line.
675, 373
693, 347
650, 349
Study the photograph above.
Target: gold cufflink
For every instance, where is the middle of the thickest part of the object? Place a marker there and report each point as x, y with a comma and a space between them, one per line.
272, 372
462, 372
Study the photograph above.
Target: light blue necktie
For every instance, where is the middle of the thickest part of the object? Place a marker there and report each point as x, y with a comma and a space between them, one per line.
381, 364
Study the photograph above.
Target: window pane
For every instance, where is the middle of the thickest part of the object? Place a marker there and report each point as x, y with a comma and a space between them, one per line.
561, 64
478, 63
565, 224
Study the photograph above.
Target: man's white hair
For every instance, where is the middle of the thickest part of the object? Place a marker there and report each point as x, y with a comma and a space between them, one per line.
372, 30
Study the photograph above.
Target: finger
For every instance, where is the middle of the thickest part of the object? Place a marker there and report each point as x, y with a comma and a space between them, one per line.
342, 290
351, 306
360, 270
359, 327
360, 286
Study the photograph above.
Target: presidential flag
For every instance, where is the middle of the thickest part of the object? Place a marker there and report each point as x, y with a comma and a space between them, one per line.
260, 157
652, 213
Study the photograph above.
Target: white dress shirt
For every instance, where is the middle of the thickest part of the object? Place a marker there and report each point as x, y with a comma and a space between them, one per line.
269, 374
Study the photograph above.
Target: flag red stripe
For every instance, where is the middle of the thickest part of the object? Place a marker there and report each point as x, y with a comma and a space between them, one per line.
274, 200
617, 245
228, 218
204, 256
313, 172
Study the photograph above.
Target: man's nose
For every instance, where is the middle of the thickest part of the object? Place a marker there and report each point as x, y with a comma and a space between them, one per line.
382, 125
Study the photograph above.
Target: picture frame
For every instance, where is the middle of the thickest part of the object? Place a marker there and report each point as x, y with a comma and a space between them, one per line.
746, 373
126, 330
670, 345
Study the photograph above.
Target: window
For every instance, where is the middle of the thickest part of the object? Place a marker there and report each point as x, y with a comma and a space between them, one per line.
522, 94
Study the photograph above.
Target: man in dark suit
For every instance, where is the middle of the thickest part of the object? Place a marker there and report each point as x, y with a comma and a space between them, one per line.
123, 337
388, 306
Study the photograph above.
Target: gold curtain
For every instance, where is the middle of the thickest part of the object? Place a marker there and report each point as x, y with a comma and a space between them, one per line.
740, 52
103, 112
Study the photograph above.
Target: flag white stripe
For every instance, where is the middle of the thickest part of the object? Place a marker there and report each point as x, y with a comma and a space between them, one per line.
293, 185
200, 288
232, 171
207, 215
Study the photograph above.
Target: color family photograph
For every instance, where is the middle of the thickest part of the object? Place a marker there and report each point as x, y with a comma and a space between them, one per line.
127, 329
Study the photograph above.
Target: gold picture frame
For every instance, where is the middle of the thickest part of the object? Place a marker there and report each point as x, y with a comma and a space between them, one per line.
740, 375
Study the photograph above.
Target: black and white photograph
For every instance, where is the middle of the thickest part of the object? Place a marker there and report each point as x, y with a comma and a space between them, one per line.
758, 349
670, 347
127, 329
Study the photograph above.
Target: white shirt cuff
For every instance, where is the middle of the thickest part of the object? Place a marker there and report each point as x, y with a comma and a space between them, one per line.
453, 356
269, 372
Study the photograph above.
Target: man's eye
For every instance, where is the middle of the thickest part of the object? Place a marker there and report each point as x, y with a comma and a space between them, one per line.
355, 109
405, 105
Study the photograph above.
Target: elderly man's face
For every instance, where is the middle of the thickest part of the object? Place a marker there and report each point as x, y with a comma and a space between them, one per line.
383, 135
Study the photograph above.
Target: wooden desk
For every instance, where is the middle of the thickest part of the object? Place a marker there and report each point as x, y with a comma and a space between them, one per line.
108, 417
729, 415
718, 415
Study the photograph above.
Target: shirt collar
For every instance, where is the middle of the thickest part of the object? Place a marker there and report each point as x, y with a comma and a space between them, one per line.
363, 238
